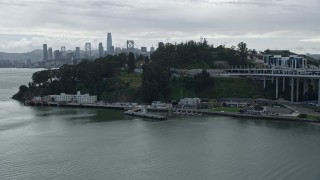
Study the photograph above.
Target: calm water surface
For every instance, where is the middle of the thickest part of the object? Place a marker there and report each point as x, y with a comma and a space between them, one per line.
64, 143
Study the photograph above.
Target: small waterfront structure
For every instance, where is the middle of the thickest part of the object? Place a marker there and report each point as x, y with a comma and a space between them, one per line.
236, 104
190, 101
253, 111
36, 98
159, 105
140, 111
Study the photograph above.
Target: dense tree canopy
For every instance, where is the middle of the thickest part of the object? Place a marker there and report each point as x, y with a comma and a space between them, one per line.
198, 55
131, 62
155, 83
95, 77
243, 50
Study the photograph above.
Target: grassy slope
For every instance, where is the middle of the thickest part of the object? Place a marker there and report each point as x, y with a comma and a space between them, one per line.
225, 88
178, 92
311, 116
133, 79
222, 88
242, 88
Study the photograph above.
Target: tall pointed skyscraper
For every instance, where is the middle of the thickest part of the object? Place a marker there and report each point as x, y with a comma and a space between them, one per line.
45, 52
109, 43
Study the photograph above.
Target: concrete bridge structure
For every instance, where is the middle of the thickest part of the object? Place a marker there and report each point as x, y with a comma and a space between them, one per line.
294, 76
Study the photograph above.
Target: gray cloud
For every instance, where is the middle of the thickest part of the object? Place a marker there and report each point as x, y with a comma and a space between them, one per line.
167, 20
260, 3
5, 3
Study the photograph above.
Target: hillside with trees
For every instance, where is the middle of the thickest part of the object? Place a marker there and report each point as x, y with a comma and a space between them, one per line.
199, 55
112, 78
99, 77
157, 79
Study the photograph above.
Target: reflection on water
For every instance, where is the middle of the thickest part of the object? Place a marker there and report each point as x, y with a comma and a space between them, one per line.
93, 115
79, 143
273, 124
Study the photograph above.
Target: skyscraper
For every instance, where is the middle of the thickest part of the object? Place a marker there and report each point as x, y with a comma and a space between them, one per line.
63, 52
100, 50
109, 43
144, 49
45, 52
77, 52
50, 54
118, 50
57, 54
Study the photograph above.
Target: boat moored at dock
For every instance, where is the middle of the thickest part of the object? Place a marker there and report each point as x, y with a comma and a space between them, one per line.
142, 112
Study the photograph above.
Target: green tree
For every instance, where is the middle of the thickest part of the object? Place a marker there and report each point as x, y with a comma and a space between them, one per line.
202, 80
268, 51
146, 59
122, 58
41, 77
155, 83
131, 62
140, 57
23, 90
243, 51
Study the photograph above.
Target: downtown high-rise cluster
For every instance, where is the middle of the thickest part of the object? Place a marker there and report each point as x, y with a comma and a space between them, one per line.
89, 53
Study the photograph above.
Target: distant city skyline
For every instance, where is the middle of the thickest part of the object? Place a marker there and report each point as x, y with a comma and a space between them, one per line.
273, 24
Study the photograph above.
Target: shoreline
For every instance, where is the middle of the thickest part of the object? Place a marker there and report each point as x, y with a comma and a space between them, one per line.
260, 117
206, 112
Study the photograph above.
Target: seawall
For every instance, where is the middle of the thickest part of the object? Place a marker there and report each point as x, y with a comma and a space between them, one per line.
236, 115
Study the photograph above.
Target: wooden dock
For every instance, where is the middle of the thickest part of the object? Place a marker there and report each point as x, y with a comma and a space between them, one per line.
188, 111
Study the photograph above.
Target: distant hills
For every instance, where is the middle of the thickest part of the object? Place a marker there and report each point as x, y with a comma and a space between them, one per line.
35, 56
314, 56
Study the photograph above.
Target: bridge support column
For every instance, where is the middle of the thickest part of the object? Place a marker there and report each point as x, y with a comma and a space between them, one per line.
305, 86
283, 84
264, 82
277, 87
292, 88
319, 91
297, 94
314, 85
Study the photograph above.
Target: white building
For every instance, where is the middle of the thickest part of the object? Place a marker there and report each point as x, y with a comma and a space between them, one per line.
36, 98
293, 61
159, 105
77, 98
190, 101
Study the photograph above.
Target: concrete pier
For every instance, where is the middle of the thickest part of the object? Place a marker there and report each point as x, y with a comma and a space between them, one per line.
277, 87
305, 86
283, 84
319, 91
297, 90
292, 89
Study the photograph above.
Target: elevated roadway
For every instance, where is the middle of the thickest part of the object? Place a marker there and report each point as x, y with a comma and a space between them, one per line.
306, 76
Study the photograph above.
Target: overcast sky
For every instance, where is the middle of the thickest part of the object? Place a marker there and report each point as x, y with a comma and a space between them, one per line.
275, 24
